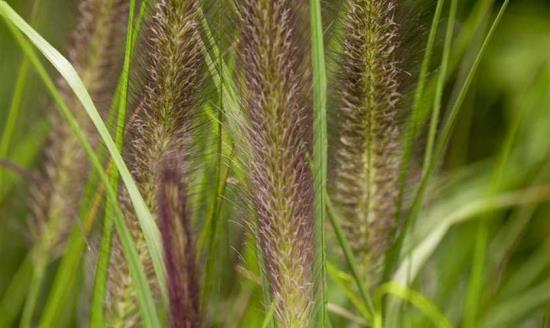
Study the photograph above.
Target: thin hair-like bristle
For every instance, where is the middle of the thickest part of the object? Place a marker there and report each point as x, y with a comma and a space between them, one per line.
276, 85
367, 157
163, 123
174, 223
96, 54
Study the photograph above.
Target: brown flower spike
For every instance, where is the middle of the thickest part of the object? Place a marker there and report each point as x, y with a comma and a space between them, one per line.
367, 158
275, 83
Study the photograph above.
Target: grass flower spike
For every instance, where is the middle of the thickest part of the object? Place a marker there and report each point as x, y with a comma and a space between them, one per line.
163, 124
367, 159
174, 222
280, 131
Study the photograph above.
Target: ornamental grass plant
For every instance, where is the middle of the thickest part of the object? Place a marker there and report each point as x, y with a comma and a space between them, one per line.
274, 163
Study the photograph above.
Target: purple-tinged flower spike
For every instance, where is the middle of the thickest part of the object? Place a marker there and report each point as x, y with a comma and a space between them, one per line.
163, 123
276, 84
179, 253
367, 159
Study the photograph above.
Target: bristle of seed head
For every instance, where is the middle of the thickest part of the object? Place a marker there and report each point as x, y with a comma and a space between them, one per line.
279, 130
96, 54
162, 123
174, 223
367, 159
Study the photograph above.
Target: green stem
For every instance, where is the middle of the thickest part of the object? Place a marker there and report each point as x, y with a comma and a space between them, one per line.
443, 141
475, 288
13, 111
434, 122
411, 130
33, 294
14, 296
350, 259
97, 318
15, 105
412, 127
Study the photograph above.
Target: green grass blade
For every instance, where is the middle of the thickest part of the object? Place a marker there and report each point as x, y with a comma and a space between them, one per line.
412, 264
210, 233
455, 110
23, 154
342, 280
475, 285
233, 115
97, 317
64, 280
319, 149
446, 132
470, 28
442, 76
145, 218
518, 306
226, 102
67, 274
269, 316
413, 297
14, 297
413, 123
219, 72
15, 105
13, 112
147, 304
35, 285
412, 127
344, 244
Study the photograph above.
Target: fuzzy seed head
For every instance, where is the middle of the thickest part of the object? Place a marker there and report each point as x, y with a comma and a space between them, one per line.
367, 158
162, 125
275, 83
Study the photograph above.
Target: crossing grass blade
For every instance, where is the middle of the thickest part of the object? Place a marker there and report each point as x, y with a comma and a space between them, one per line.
413, 123
319, 150
120, 101
411, 128
70, 263
436, 110
418, 300
445, 135
514, 308
13, 112
346, 248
